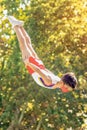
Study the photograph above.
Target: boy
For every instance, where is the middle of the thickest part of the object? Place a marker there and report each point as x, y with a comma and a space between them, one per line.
35, 66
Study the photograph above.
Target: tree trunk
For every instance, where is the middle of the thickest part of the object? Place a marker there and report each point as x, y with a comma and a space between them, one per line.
13, 126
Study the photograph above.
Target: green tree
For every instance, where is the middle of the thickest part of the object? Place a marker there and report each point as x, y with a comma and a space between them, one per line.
58, 32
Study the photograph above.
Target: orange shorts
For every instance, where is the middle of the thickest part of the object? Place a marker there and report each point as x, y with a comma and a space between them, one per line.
36, 62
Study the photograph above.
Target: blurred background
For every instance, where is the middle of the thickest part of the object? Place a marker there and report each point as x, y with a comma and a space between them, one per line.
58, 31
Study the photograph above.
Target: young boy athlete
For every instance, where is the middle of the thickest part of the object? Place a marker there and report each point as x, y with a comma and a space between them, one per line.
35, 66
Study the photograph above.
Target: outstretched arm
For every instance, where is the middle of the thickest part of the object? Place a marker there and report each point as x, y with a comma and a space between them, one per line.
46, 78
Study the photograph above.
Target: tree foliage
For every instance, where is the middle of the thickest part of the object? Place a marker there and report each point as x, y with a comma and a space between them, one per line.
58, 31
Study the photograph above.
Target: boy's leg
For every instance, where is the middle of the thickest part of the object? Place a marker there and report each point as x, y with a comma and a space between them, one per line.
28, 42
26, 47
28, 53
22, 42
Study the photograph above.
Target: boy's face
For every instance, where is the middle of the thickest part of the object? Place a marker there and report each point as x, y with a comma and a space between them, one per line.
65, 88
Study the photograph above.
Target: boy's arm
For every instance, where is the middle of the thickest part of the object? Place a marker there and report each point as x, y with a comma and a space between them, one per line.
46, 78
55, 86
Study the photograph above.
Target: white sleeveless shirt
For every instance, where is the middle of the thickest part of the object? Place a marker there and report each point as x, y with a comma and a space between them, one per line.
40, 81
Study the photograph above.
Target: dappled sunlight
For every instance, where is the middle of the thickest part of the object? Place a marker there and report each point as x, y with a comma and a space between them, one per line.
58, 31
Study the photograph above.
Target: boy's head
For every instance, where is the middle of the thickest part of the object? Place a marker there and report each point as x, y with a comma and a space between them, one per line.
69, 82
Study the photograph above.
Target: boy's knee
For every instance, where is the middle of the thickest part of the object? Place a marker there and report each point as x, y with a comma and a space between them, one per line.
22, 39
27, 39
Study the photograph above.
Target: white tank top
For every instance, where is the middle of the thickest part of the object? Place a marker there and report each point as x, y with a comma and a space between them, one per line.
40, 81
